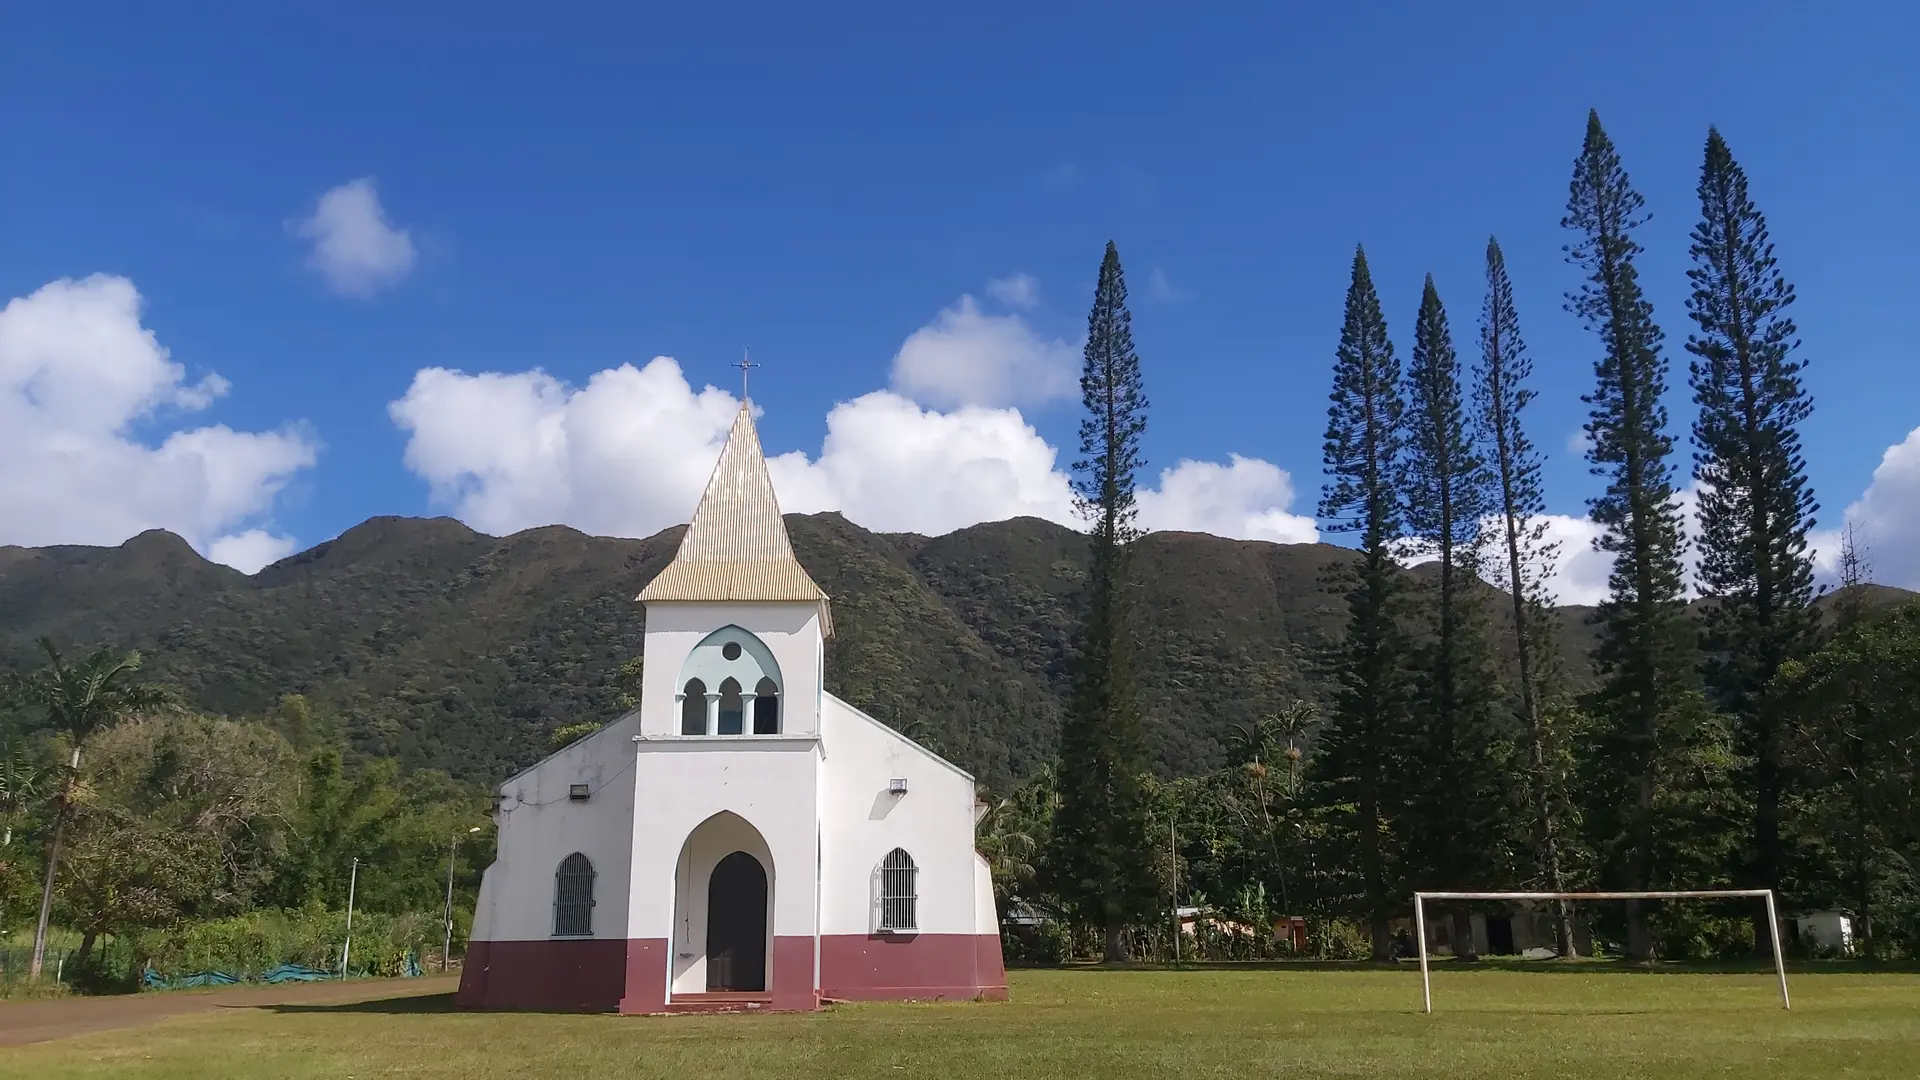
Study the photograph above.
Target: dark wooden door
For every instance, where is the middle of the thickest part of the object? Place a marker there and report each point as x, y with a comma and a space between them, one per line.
737, 925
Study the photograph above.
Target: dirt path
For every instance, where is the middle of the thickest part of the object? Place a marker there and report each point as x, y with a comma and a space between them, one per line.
38, 1021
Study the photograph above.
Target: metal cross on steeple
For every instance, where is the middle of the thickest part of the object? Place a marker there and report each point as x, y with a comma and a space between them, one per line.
744, 365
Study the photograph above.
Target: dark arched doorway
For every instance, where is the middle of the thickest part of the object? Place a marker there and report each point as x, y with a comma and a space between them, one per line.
737, 925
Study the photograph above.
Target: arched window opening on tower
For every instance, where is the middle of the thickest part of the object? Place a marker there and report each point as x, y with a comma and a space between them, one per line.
693, 710
766, 708
898, 895
732, 708
573, 897
739, 679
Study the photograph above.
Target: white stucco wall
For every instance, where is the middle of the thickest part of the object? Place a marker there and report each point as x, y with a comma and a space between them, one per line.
986, 914
933, 821
772, 782
539, 825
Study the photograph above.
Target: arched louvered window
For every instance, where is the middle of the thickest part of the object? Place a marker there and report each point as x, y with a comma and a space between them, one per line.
573, 897
898, 897
693, 708
766, 708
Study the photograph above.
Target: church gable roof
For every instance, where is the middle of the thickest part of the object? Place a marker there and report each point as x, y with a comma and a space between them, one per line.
737, 546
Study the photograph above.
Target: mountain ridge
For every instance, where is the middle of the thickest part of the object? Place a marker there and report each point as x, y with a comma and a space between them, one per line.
456, 650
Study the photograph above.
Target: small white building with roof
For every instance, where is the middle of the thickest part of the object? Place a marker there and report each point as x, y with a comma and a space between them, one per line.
743, 839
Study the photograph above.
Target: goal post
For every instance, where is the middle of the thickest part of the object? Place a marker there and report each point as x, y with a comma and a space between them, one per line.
1420, 920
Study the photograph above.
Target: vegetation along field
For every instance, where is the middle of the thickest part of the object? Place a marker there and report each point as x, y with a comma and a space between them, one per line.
1592, 1022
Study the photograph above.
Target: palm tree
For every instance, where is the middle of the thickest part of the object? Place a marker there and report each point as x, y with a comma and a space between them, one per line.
1004, 840
1292, 725
78, 701
1252, 745
1011, 836
22, 782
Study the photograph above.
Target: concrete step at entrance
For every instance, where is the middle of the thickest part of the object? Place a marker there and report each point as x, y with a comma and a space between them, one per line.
718, 1001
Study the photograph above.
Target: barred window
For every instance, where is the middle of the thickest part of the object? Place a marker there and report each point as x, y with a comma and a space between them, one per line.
573, 897
898, 897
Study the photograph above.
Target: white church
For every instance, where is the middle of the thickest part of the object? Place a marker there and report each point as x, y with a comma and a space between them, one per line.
743, 839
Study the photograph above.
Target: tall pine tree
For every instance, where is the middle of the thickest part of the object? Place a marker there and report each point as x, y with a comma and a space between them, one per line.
1526, 560
1755, 504
1646, 703
1099, 858
1455, 823
1363, 739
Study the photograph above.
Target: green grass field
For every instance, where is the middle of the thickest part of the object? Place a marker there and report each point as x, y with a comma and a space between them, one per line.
1495, 1024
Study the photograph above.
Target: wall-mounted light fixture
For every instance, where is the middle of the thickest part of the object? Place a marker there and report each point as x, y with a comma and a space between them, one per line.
578, 792
897, 786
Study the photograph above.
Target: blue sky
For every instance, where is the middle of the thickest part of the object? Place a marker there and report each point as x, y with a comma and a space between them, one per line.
581, 187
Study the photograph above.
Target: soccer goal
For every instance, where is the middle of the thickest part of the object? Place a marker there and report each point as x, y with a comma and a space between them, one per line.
1420, 920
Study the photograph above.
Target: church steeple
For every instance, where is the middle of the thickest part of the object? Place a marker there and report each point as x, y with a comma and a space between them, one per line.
737, 547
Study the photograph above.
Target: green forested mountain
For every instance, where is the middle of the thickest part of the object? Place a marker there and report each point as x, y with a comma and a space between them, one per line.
457, 651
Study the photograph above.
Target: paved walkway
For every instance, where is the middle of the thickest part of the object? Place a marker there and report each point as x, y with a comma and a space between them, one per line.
38, 1021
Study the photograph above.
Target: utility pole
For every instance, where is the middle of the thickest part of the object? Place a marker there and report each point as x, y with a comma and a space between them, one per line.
446, 950
1173, 865
346, 950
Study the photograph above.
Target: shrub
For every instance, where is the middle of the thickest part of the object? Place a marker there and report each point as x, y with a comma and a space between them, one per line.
1044, 944
1340, 940
247, 945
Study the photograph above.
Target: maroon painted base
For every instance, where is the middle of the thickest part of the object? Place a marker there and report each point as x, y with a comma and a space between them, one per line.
630, 976
793, 974
918, 967
578, 975
646, 976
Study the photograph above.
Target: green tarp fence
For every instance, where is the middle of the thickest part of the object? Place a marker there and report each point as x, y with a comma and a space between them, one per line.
284, 973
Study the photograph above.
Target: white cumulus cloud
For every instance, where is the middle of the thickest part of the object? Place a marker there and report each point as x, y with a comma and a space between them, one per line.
1886, 521
891, 465
629, 453
250, 551
356, 251
1019, 291
1580, 570
968, 357
79, 375
621, 456
1246, 498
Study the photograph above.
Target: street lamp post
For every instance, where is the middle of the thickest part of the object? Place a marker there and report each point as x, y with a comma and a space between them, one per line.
446, 948
346, 950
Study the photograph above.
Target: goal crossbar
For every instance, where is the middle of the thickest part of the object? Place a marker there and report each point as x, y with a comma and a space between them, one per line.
1773, 920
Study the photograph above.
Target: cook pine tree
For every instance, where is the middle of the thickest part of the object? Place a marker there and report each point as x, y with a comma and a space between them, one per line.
1356, 766
1457, 819
1099, 860
1525, 558
1756, 506
1646, 702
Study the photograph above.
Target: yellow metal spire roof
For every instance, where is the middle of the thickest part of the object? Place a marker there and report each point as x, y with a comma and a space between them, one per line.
737, 547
